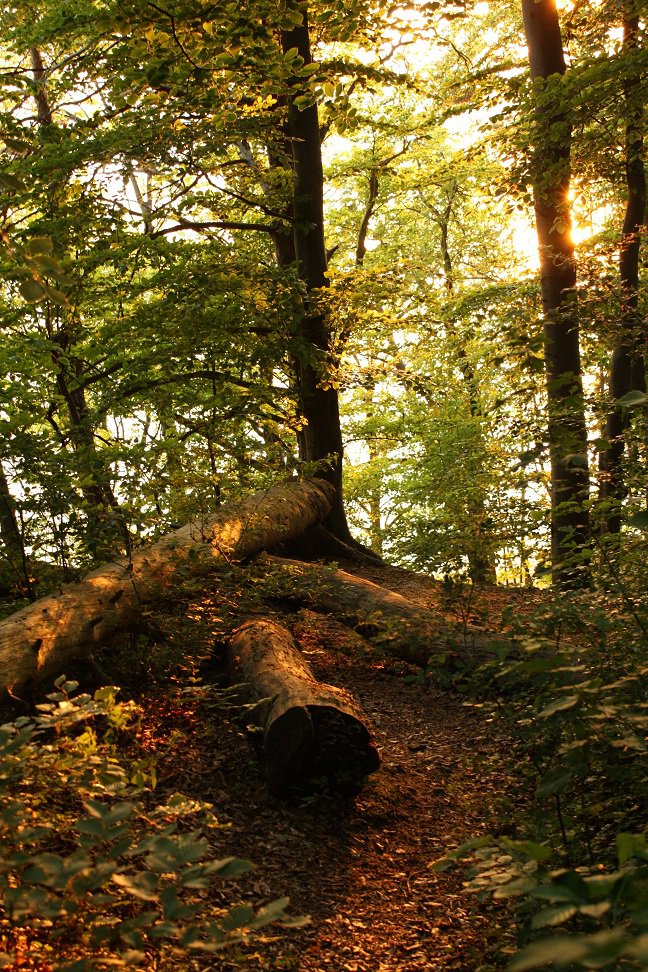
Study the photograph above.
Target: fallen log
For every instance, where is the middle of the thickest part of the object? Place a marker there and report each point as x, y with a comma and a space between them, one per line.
310, 730
39, 641
388, 620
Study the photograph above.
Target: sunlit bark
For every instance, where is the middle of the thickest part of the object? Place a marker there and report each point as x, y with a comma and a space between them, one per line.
570, 531
309, 729
40, 641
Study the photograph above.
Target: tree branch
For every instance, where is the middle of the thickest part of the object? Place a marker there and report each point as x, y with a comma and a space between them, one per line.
186, 224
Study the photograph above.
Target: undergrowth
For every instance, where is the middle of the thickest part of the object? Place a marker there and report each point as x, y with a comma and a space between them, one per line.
95, 871
571, 687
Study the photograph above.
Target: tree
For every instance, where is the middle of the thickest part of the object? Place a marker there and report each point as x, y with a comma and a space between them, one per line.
566, 419
320, 440
627, 368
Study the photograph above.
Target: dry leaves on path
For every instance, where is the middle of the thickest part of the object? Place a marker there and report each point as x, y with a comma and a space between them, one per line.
360, 868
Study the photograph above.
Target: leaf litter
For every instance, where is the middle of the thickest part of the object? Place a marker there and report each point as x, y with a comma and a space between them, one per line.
359, 868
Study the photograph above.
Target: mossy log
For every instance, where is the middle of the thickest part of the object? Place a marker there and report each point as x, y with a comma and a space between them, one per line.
39, 641
310, 730
388, 620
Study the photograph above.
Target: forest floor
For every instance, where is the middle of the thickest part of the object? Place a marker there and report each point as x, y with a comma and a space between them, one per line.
358, 867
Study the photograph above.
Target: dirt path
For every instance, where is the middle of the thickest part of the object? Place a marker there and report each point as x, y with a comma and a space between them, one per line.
360, 868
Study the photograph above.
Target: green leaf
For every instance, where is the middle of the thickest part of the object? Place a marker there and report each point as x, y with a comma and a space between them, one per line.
231, 867
238, 917
10, 182
32, 290
567, 886
559, 705
629, 845
271, 912
17, 144
92, 827
556, 915
301, 102
548, 950
449, 860
143, 885
172, 907
40, 246
195, 877
56, 296
293, 17
555, 781
639, 520
596, 910
537, 852
632, 398
48, 264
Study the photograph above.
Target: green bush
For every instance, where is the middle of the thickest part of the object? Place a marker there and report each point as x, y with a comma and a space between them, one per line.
94, 872
574, 858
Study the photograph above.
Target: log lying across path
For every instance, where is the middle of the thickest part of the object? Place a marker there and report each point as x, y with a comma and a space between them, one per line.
388, 620
38, 642
310, 729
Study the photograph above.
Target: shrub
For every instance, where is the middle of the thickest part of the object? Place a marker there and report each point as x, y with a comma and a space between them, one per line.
574, 857
94, 872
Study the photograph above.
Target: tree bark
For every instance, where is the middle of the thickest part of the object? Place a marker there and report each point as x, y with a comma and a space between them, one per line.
320, 441
107, 529
570, 529
627, 369
39, 641
310, 730
14, 548
389, 621
43, 110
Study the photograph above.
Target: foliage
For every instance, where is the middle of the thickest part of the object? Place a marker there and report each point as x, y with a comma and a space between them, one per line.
149, 338
95, 872
574, 856
148, 348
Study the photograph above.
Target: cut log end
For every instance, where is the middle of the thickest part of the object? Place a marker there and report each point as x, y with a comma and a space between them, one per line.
318, 743
311, 731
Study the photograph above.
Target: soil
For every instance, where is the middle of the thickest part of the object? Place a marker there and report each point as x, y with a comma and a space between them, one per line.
360, 868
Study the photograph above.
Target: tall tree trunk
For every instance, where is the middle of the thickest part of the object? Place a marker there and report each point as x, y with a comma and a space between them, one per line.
570, 530
12, 541
43, 110
361, 248
374, 501
107, 529
627, 369
320, 442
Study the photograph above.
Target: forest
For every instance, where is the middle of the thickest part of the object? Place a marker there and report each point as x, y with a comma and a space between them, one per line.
323, 485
